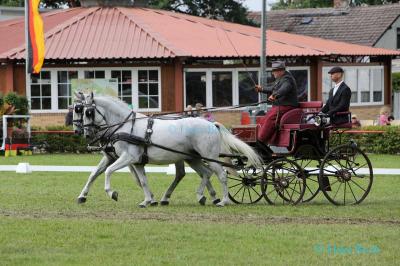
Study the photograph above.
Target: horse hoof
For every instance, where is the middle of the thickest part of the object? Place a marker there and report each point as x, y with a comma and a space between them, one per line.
164, 203
202, 201
216, 201
114, 196
142, 206
81, 200
220, 204
154, 203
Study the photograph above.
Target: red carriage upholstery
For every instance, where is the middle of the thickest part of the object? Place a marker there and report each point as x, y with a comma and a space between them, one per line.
292, 120
313, 105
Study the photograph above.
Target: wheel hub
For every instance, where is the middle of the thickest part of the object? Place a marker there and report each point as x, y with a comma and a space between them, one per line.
344, 175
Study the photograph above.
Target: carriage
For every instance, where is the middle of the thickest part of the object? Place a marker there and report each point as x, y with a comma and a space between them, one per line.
303, 161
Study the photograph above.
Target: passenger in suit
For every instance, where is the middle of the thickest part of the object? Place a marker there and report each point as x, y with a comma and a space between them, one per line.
339, 98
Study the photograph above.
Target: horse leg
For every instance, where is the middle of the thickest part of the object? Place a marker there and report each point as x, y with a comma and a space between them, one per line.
124, 160
143, 181
219, 170
137, 179
205, 173
180, 173
101, 167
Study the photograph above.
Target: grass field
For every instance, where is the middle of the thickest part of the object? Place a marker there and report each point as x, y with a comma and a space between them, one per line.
40, 224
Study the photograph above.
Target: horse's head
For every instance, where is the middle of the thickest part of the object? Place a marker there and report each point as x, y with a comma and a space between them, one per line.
78, 113
93, 117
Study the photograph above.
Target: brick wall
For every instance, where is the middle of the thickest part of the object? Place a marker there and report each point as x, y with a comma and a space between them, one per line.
48, 119
228, 118
367, 112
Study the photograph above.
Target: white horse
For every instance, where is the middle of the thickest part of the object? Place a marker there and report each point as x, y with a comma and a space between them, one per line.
193, 137
109, 158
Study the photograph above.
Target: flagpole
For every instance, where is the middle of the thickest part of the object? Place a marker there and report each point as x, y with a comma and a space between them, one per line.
27, 75
263, 56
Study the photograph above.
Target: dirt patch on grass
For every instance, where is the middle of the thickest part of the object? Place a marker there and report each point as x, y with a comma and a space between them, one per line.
196, 218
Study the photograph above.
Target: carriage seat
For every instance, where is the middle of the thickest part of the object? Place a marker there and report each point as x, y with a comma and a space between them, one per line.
294, 118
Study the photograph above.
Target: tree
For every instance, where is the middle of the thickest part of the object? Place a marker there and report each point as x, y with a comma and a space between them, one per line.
44, 3
228, 10
284, 4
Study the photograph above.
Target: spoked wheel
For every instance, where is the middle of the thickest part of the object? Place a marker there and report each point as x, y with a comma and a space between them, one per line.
247, 186
309, 160
346, 175
285, 182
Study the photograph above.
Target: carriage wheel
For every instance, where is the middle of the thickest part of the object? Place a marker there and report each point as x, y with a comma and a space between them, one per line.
285, 182
346, 175
309, 160
247, 187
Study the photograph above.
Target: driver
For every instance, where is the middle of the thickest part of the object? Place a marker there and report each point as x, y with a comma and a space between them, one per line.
283, 95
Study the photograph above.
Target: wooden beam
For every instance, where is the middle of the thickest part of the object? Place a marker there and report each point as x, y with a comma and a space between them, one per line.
178, 85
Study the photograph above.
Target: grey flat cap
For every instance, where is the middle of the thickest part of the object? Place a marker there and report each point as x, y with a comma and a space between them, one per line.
276, 65
336, 70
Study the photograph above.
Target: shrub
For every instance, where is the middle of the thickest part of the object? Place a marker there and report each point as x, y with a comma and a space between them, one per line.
60, 142
386, 143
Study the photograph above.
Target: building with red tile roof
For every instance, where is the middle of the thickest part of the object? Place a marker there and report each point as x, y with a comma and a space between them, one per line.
164, 61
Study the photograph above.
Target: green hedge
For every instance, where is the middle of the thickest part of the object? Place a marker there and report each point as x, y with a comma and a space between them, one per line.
384, 143
59, 143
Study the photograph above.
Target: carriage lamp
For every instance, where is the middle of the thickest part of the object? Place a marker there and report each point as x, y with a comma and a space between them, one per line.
321, 119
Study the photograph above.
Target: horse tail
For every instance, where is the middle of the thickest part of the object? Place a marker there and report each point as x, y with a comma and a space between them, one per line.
231, 142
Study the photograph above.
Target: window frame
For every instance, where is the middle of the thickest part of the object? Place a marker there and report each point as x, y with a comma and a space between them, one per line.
135, 86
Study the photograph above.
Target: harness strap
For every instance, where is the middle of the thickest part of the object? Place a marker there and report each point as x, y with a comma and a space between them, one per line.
147, 137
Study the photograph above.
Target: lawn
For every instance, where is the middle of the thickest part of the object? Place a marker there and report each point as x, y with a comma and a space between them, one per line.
377, 160
41, 224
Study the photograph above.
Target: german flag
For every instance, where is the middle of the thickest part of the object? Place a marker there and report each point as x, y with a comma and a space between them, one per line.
35, 41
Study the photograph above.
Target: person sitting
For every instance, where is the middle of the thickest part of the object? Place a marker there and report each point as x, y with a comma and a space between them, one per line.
339, 98
189, 111
355, 122
69, 116
384, 117
390, 119
283, 95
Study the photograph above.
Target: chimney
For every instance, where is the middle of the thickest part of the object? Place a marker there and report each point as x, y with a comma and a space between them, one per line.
341, 3
131, 3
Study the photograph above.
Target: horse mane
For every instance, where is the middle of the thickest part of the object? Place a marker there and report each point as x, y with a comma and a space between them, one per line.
116, 106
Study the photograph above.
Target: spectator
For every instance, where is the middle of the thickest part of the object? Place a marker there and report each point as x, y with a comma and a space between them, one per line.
69, 116
355, 122
208, 116
199, 109
384, 117
189, 111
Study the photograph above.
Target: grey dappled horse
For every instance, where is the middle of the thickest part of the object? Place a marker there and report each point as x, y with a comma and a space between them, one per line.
189, 135
108, 159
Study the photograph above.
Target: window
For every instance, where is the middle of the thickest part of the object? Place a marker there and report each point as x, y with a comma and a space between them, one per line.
377, 84
124, 84
222, 89
228, 87
50, 91
247, 94
398, 38
195, 88
148, 85
365, 82
94, 74
64, 87
301, 77
41, 91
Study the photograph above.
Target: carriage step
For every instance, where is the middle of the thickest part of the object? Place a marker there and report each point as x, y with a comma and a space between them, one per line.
279, 150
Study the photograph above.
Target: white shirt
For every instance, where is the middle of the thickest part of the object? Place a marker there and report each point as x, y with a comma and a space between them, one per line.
337, 85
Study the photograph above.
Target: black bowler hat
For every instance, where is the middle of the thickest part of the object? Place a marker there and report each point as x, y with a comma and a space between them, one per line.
336, 70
